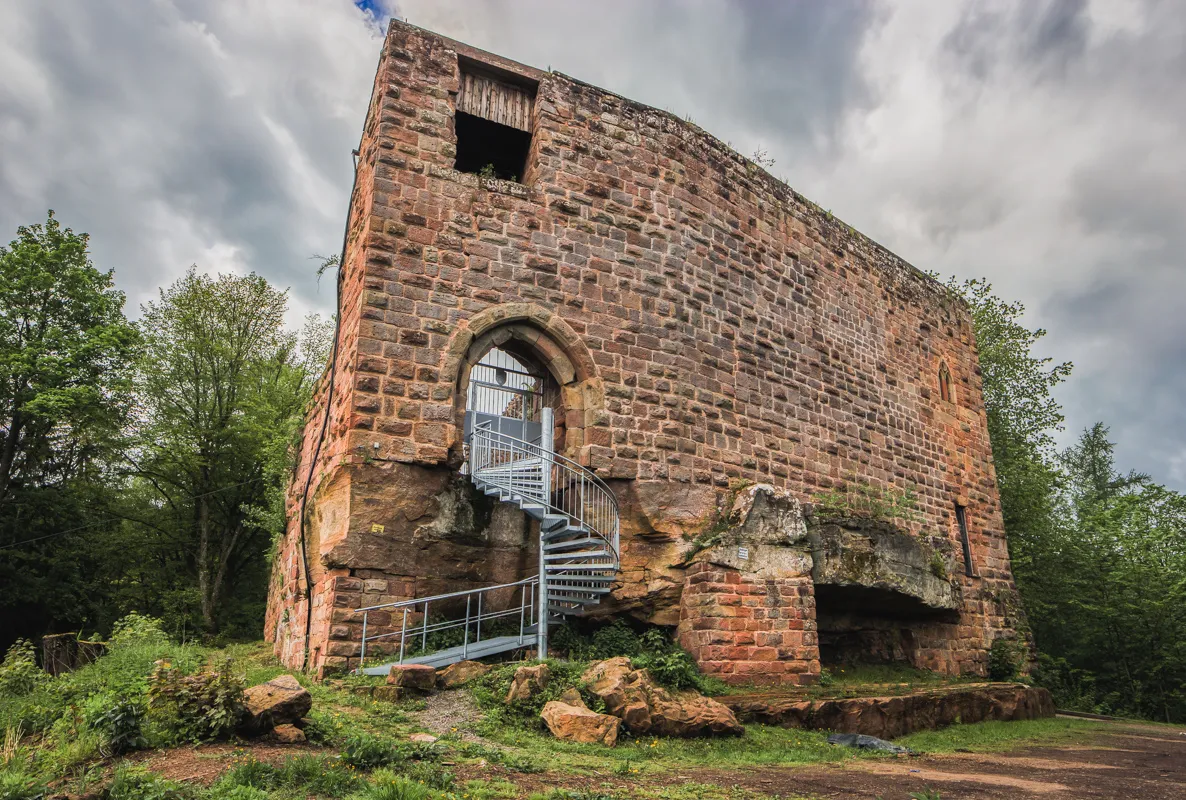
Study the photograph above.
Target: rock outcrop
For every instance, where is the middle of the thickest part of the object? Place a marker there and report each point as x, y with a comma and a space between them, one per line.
412, 676
890, 717
461, 673
632, 696
576, 723
528, 682
877, 556
280, 701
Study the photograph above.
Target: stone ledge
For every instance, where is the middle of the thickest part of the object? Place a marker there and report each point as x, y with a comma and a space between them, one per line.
890, 717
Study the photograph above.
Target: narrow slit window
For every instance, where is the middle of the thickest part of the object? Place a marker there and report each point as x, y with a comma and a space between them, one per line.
961, 517
944, 383
493, 126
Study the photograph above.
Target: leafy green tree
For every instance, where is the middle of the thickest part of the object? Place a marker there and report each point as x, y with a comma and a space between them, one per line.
66, 352
1022, 417
221, 389
65, 348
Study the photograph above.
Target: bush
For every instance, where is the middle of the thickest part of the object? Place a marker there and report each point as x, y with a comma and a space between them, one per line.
19, 673
429, 774
138, 629
228, 792
364, 751
669, 664
17, 785
206, 705
674, 669
119, 720
135, 783
322, 728
1072, 689
304, 775
1004, 660
314, 775
247, 772
616, 639
386, 785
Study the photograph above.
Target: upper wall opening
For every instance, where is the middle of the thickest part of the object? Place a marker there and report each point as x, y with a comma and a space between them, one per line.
493, 123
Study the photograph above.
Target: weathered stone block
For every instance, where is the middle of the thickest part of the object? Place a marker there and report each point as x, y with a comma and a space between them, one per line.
412, 676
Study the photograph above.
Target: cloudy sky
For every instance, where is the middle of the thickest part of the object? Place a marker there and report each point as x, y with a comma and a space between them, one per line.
1039, 144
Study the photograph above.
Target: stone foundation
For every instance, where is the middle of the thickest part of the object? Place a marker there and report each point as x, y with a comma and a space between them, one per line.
890, 717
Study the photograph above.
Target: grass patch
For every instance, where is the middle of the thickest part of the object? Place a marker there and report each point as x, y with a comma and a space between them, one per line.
760, 745
686, 791
988, 736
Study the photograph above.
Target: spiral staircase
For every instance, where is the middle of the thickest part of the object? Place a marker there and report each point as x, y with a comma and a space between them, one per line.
579, 557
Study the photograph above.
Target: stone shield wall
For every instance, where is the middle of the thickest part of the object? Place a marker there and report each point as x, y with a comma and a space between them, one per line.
708, 327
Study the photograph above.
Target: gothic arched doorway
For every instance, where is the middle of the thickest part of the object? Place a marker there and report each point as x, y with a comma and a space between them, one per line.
512, 395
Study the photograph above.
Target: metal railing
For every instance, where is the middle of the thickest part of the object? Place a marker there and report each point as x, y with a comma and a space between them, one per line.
476, 612
518, 467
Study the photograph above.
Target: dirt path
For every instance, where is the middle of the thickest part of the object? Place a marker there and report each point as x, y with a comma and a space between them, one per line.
1123, 761
450, 712
1128, 761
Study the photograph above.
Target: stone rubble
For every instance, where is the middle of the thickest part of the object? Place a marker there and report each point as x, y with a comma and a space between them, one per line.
528, 682
632, 696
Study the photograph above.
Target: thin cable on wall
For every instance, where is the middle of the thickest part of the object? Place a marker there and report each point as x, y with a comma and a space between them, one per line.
329, 398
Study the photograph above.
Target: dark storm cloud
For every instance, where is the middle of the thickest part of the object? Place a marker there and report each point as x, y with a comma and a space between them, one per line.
800, 67
753, 73
175, 134
1038, 144
1048, 36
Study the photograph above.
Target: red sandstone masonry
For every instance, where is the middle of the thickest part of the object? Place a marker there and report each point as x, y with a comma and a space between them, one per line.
736, 330
746, 630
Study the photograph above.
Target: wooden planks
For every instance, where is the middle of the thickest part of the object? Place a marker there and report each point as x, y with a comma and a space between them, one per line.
494, 100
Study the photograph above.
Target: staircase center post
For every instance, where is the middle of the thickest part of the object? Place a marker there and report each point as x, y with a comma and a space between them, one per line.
546, 468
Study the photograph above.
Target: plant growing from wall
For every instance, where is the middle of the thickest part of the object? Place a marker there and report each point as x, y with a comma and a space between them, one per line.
863, 501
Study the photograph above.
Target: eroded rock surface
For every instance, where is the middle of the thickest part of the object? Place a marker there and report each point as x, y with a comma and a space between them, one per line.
461, 673
576, 723
890, 717
632, 696
528, 682
877, 556
420, 677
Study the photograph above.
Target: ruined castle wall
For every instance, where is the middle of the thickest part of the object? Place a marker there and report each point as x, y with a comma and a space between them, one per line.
737, 332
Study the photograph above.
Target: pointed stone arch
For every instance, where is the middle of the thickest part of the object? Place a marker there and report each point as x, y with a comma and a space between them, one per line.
547, 340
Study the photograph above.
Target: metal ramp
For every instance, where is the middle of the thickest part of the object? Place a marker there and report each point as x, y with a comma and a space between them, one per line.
443, 658
578, 525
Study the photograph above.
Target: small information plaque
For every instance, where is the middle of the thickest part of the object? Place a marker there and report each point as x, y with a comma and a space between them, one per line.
743, 553
376, 528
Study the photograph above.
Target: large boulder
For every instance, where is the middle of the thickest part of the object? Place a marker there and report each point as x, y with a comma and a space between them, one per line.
632, 696
280, 701
575, 723
420, 677
461, 673
528, 682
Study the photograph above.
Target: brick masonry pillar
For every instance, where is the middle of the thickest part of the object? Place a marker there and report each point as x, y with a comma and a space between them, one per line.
747, 612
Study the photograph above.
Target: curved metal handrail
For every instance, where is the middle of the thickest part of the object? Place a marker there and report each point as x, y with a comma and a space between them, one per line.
569, 488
